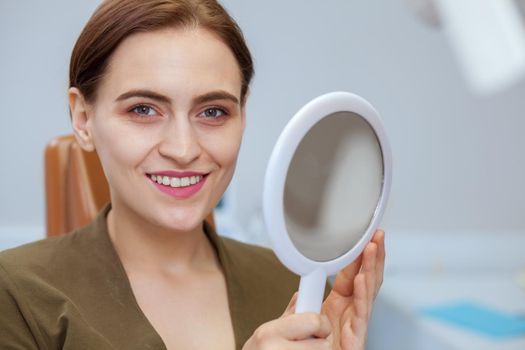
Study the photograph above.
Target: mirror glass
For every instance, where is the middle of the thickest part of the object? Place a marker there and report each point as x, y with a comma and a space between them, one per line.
333, 186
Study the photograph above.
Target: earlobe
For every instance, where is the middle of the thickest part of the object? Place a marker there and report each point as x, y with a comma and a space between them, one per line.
80, 120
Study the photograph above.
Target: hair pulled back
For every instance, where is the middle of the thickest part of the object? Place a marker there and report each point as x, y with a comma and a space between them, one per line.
115, 20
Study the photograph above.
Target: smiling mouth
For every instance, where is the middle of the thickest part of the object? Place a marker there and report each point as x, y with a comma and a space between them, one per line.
177, 182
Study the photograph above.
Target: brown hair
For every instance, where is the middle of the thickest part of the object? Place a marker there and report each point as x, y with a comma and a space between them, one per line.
115, 20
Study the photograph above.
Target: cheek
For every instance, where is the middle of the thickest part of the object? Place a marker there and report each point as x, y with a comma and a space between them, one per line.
121, 148
223, 146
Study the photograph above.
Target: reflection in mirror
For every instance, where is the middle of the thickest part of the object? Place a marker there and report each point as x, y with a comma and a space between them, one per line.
333, 186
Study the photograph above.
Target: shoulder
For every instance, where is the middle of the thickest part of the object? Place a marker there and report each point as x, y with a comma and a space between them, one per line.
49, 263
44, 254
59, 256
32, 278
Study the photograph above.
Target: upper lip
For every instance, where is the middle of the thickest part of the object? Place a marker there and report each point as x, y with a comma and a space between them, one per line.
174, 173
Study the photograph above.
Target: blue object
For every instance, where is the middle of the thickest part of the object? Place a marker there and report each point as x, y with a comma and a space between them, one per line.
478, 318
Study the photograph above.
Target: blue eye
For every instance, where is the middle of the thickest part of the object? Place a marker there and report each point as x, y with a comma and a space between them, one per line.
143, 110
213, 113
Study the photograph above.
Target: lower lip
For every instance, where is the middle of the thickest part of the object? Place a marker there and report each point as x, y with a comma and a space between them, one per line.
181, 192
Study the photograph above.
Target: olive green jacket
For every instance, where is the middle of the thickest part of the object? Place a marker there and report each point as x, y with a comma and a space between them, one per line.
71, 292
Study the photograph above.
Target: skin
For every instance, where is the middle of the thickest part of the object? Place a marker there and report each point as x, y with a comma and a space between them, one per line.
170, 263
343, 322
188, 117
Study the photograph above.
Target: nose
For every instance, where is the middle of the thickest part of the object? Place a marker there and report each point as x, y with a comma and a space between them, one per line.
180, 142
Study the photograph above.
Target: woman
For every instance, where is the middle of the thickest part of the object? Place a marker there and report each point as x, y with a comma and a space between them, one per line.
158, 88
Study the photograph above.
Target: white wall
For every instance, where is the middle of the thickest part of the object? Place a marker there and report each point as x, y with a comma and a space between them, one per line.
36, 39
458, 157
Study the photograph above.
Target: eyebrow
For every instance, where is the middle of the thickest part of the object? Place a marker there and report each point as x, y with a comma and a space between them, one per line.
144, 93
210, 96
216, 95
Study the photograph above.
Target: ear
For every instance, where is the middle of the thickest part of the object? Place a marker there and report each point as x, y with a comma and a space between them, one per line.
80, 119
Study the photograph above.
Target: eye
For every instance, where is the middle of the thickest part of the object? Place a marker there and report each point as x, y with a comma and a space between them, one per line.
144, 111
213, 113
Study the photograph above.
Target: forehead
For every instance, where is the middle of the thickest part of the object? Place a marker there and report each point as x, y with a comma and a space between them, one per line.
177, 62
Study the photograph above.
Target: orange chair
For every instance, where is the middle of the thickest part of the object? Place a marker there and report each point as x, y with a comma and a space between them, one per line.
76, 187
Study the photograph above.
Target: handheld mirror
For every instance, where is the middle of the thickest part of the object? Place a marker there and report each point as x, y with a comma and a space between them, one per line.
325, 189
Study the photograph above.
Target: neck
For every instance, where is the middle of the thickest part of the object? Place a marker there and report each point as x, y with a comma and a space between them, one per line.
142, 245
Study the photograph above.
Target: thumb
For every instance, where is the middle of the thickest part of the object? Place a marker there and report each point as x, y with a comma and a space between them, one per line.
290, 309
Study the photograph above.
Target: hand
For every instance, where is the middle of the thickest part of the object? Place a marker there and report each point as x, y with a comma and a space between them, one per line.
349, 304
292, 331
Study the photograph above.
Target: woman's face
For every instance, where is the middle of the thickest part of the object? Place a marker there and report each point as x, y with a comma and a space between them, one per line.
167, 124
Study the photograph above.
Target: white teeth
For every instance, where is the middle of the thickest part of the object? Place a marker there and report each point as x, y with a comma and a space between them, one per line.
176, 181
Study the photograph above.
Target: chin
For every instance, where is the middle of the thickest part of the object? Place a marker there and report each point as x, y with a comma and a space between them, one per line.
184, 226
184, 221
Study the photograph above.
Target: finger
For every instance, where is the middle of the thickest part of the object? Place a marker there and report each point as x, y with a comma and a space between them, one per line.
355, 323
354, 333
369, 269
302, 326
344, 281
360, 299
379, 239
290, 309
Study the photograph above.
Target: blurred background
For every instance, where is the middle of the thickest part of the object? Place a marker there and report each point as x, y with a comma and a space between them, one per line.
448, 78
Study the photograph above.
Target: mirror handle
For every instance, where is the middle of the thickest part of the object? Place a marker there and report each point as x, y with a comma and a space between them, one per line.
311, 292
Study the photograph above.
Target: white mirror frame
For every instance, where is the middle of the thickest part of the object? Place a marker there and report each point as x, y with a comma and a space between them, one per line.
313, 272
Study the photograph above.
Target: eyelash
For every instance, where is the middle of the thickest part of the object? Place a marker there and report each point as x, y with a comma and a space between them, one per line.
135, 110
142, 115
223, 112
